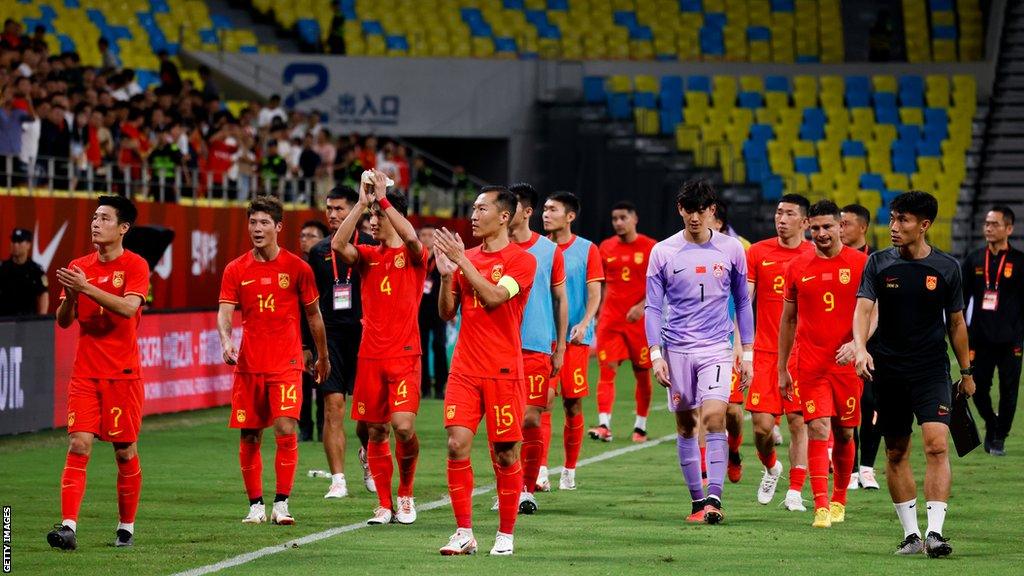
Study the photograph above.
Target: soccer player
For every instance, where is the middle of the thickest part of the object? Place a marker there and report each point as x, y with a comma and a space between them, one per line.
767, 261
992, 280
584, 275
620, 324
821, 294
918, 292
104, 291
855, 221
691, 277
545, 324
270, 285
388, 371
491, 284
341, 307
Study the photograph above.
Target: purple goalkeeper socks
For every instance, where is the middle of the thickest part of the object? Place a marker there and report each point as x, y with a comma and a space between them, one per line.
689, 462
718, 446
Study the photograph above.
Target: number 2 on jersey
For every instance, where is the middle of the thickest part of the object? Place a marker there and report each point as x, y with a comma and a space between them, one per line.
777, 284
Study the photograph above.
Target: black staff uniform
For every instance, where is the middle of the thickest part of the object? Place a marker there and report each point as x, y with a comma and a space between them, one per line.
994, 290
432, 332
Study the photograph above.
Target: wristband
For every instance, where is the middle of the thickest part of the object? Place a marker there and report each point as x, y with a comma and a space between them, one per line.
748, 355
655, 354
384, 203
969, 371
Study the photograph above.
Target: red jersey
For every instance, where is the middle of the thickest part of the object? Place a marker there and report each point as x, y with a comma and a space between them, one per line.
557, 261
767, 261
825, 292
490, 344
391, 285
625, 275
271, 296
108, 347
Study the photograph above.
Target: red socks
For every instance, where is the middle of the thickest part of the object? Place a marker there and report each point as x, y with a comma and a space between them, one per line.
531, 452
606, 389
129, 488
545, 430
252, 469
573, 439
797, 475
460, 490
510, 482
382, 468
768, 460
817, 464
842, 467
643, 392
408, 454
72, 485
285, 460
735, 442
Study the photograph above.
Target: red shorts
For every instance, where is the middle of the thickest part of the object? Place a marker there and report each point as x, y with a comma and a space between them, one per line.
537, 368
831, 395
110, 409
735, 391
469, 398
618, 341
764, 395
384, 386
258, 399
572, 378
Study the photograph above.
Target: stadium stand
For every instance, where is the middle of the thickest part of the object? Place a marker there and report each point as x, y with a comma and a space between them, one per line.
851, 139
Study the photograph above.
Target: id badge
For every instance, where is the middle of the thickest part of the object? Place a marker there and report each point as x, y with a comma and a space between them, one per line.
990, 301
428, 285
342, 296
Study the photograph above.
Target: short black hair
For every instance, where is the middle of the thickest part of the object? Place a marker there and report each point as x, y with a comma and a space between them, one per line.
799, 200
824, 208
525, 193
399, 201
722, 213
505, 200
916, 203
696, 195
126, 211
324, 230
624, 205
1008, 216
269, 204
346, 193
567, 199
861, 212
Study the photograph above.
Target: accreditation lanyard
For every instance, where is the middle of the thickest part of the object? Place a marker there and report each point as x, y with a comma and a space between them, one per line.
990, 301
343, 290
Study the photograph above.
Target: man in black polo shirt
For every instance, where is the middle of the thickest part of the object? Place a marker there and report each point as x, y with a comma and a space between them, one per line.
992, 279
919, 297
342, 312
23, 287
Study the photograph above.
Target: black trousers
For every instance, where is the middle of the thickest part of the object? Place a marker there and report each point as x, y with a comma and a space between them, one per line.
1006, 358
868, 438
306, 410
433, 337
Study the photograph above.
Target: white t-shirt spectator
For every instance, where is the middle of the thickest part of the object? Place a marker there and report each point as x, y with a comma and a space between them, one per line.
267, 115
30, 140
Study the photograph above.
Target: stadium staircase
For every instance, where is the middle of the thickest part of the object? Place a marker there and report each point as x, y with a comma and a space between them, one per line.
1000, 150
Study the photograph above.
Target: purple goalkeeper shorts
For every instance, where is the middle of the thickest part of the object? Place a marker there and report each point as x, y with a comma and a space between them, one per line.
698, 376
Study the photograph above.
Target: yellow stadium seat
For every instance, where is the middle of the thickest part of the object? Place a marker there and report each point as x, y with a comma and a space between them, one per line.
884, 83
752, 83
687, 137
913, 116
870, 199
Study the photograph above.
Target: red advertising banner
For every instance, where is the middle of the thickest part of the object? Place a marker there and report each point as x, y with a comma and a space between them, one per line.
188, 274
182, 364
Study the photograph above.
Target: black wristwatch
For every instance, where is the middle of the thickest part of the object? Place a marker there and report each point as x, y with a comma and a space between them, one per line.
969, 371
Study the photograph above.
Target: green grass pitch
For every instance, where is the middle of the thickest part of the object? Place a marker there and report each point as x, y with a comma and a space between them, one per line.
625, 518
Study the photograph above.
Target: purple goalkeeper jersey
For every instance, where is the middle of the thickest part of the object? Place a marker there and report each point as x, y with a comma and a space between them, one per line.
688, 288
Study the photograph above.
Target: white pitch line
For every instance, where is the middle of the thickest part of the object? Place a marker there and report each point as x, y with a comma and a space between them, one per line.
317, 536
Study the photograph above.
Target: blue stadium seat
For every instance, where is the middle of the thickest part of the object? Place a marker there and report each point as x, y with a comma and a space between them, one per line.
396, 42
752, 100
869, 181
909, 133
593, 89
887, 115
759, 33
712, 41
930, 148
941, 5
645, 100
806, 165
936, 116
761, 133
886, 99
776, 84
620, 107
698, 83
771, 188
782, 5
691, 6
670, 118
944, 32
854, 149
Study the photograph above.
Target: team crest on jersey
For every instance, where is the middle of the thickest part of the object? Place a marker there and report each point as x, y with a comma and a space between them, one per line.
283, 280
118, 280
844, 276
718, 270
71, 419
399, 261
638, 257
676, 399
240, 416
361, 408
755, 398
449, 412
602, 355
809, 405
931, 282
1008, 271
496, 272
